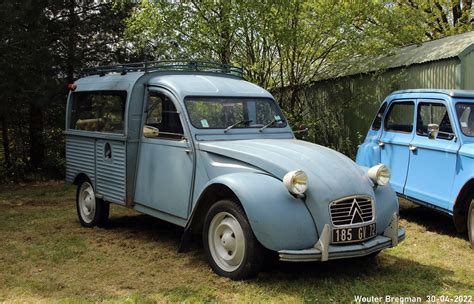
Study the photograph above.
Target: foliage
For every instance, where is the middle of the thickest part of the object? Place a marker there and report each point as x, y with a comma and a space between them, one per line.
43, 44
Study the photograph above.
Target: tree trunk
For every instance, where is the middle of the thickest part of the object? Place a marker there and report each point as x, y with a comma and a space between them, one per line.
36, 125
5, 142
71, 44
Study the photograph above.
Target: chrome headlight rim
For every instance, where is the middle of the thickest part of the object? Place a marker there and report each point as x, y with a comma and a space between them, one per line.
296, 182
379, 175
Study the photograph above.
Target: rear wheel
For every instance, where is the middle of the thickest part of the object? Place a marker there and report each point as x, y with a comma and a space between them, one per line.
230, 245
470, 223
91, 211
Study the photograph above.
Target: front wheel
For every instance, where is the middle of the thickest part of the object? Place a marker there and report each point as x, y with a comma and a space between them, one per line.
470, 223
230, 245
91, 211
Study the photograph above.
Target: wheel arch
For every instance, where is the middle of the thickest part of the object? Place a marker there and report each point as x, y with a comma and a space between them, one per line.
211, 194
82, 177
461, 205
278, 220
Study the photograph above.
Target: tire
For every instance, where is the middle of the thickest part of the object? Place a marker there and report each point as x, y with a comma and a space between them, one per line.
229, 243
470, 223
91, 211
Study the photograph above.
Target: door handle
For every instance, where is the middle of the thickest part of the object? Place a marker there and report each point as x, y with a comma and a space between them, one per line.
412, 147
188, 151
381, 144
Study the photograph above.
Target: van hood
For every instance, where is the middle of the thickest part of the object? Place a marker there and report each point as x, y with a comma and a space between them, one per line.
331, 175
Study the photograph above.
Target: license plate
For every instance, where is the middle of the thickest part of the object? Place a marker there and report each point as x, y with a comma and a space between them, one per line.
351, 235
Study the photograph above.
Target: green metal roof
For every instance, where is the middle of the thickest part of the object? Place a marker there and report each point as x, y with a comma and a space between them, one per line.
439, 49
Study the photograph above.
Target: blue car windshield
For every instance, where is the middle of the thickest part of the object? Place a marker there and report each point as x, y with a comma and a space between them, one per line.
227, 113
465, 113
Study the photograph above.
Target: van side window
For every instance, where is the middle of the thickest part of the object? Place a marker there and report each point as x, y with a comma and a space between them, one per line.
98, 111
378, 118
162, 118
434, 113
400, 117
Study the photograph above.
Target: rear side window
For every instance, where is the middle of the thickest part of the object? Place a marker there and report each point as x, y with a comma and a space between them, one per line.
400, 117
378, 118
98, 111
434, 113
465, 113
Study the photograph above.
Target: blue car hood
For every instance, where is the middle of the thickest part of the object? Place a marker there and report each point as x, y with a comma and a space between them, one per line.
331, 175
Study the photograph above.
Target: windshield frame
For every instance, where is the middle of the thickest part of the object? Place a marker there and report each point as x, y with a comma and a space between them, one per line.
275, 105
463, 102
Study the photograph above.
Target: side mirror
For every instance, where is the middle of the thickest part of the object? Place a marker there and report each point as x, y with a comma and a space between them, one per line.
149, 131
433, 130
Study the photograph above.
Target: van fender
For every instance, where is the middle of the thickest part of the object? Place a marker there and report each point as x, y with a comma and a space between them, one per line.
278, 219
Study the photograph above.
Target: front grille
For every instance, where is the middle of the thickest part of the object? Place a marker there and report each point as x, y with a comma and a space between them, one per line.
352, 211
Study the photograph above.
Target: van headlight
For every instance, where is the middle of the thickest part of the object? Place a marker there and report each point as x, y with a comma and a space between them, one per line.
379, 174
296, 181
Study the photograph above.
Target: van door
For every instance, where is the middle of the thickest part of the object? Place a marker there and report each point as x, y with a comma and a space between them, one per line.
395, 140
166, 159
432, 161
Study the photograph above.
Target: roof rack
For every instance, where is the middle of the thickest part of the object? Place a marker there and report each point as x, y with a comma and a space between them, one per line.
165, 66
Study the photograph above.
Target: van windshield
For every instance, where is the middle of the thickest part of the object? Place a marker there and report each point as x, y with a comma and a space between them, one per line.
228, 113
465, 113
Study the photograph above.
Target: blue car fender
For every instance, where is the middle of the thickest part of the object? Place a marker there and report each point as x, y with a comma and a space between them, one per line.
278, 220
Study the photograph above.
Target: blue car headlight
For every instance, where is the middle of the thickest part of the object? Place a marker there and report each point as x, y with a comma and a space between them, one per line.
296, 182
379, 174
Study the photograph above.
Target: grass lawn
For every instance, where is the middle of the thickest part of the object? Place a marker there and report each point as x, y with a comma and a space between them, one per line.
45, 255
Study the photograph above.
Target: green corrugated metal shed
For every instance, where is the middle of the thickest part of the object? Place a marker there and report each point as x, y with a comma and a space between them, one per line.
354, 95
452, 56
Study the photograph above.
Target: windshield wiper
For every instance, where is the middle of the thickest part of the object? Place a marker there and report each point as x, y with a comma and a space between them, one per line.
269, 124
245, 121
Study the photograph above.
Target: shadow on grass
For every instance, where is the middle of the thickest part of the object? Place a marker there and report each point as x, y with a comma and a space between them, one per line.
146, 228
431, 220
340, 279
343, 279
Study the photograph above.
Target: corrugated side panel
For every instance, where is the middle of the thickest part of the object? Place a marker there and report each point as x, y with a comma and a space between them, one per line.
111, 172
468, 72
80, 157
434, 75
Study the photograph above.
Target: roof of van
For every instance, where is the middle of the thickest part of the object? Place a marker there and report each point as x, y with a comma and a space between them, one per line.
202, 84
452, 93
181, 83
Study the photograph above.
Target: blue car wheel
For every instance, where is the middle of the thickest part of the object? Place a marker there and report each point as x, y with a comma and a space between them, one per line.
230, 245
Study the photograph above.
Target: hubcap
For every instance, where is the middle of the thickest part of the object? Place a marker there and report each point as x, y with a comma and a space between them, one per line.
87, 205
226, 241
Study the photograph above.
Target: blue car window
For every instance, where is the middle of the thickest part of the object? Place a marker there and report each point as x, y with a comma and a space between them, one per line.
98, 111
400, 117
220, 113
465, 113
434, 113
378, 118
162, 118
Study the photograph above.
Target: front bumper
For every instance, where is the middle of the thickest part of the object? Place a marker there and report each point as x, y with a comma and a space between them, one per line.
323, 251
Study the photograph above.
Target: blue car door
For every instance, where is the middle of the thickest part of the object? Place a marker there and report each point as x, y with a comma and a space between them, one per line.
432, 161
395, 140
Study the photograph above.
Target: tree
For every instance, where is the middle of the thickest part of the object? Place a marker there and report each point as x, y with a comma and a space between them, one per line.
43, 43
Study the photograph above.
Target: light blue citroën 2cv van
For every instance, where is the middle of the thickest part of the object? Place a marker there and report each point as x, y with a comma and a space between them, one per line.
195, 144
